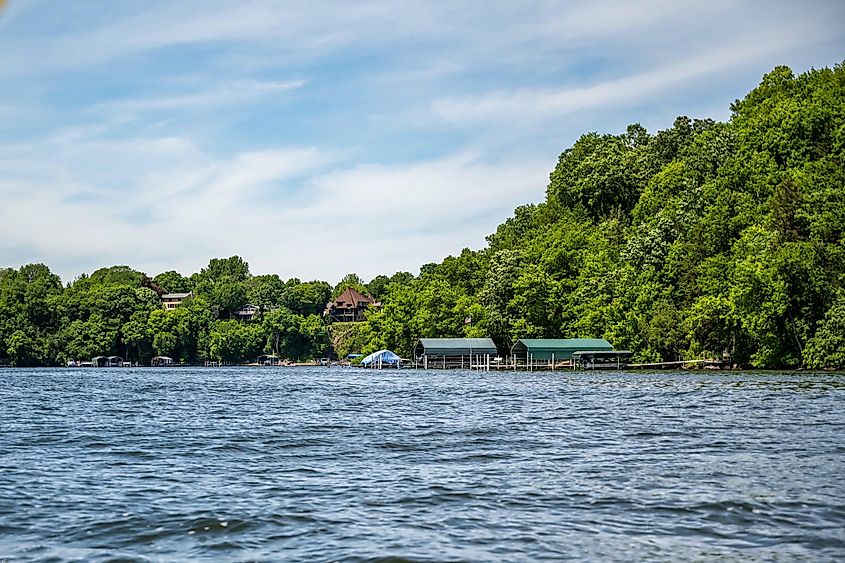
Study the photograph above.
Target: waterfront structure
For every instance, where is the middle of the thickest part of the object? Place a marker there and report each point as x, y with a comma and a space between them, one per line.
349, 307
107, 362
161, 362
448, 353
557, 348
173, 300
382, 358
269, 360
537, 353
601, 359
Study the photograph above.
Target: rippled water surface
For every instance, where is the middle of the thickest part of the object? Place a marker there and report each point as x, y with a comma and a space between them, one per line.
340, 464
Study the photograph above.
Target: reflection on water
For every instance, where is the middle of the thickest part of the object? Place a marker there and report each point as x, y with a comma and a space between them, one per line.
341, 464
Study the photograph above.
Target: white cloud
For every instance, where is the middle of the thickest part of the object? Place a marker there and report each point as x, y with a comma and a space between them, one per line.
228, 93
375, 219
538, 103
479, 34
80, 189
163, 203
289, 26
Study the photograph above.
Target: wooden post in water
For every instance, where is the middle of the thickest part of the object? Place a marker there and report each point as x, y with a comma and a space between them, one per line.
553, 361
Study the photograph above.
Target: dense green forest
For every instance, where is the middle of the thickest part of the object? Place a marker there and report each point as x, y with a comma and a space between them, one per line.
707, 238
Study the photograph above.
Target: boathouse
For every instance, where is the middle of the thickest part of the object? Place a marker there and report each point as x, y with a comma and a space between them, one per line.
548, 352
445, 353
161, 361
107, 361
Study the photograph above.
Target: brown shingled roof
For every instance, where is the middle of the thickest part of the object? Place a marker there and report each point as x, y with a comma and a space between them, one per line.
351, 298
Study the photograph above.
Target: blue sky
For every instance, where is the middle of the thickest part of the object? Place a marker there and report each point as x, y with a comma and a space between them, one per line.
320, 138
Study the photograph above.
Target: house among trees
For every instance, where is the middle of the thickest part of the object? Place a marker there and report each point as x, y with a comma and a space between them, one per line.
173, 300
348, 307
246, 313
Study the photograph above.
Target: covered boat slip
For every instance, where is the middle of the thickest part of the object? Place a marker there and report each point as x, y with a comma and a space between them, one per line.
606, 359
109, 362
561, 353
161, 362
382, 359
528, 354
455, 353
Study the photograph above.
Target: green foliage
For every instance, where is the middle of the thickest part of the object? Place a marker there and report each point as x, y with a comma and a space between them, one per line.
349, 280
233, 269
349, 338
826, 349
265, 291
117, 275
172, 282
309, 298
716, 239
378, 286
117, 311
603, 174
232, 341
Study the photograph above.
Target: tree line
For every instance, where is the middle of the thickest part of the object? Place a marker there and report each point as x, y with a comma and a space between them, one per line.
707, 238
704, 239
118, 311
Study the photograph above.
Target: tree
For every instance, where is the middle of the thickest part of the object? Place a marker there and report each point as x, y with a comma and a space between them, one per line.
234, 342
22, 349
226, 271
281, 325
265, 291
233, 268
228, 296
164, 344
137, 339
378, 286
172, 281
309, 298
601, 173
826, 349
349, 280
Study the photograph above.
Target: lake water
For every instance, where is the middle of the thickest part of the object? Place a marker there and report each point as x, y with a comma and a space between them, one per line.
321, 464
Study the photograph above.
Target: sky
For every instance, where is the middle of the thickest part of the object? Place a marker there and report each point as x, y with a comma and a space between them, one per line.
318, 138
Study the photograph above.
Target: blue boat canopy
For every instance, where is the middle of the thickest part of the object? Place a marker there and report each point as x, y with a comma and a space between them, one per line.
387, 357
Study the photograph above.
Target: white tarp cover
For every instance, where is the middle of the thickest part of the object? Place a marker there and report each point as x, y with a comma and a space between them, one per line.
387, 358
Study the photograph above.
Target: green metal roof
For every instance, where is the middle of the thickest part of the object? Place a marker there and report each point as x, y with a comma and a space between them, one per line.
562, 348
455, 346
